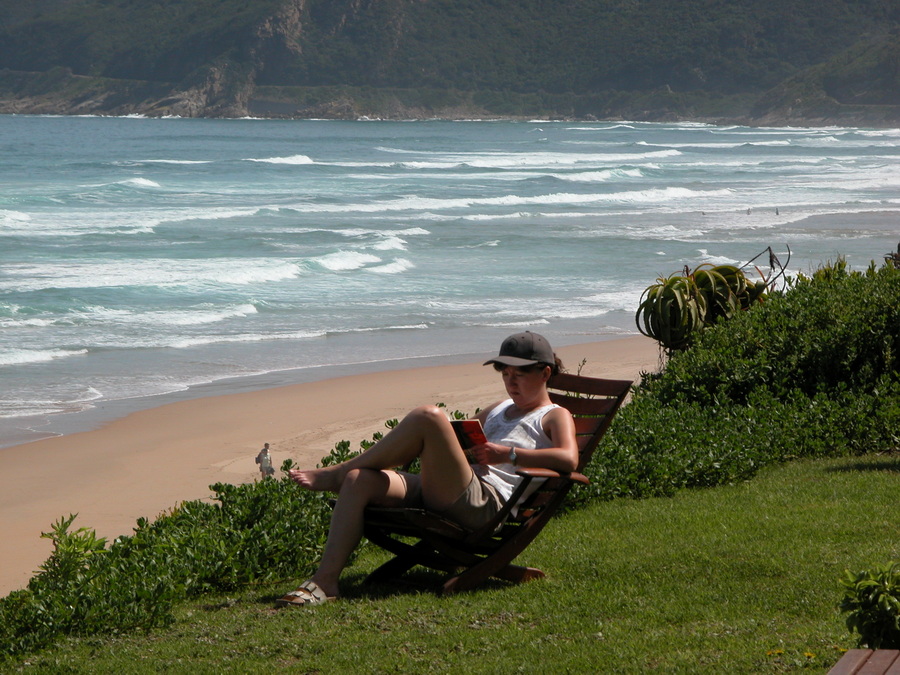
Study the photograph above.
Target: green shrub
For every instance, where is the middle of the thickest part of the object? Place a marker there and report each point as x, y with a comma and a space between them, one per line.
835, 329
255, 532
872, 600
810, 372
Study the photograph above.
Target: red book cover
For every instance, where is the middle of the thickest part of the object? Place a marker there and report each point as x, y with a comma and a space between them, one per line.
469, 433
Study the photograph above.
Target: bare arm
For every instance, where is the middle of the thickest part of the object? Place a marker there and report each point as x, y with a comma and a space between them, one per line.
563, 456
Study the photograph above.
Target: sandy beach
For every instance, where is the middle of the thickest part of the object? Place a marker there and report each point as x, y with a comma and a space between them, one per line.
151, 460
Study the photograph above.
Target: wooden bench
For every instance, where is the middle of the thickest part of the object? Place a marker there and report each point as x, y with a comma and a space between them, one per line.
868, 662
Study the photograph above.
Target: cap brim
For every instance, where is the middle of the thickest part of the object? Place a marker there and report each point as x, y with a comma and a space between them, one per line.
510, 361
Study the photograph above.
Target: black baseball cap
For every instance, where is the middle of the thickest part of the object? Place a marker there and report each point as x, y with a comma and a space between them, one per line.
524, 349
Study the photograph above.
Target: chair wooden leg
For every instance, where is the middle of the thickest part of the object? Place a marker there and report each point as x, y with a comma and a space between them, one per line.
392, 569
519, 574
408, 556
477, 574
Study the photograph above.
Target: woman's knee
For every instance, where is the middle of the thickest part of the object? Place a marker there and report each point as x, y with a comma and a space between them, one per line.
430, 415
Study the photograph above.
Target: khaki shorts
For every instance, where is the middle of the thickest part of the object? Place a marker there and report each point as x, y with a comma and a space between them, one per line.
474, 508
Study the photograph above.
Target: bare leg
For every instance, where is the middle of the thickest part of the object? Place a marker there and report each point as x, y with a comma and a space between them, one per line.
425, 433
361, 488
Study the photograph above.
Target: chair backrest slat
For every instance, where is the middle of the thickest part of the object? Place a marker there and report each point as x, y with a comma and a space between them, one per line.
585, 406
585, 425
593, 386
593, 403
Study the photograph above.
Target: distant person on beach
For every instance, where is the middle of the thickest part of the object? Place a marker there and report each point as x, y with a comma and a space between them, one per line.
265, 462
526, 429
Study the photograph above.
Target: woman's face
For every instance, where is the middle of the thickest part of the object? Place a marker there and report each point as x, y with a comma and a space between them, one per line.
524, 385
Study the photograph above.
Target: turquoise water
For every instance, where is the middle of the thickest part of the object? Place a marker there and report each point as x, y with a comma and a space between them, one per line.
141, 257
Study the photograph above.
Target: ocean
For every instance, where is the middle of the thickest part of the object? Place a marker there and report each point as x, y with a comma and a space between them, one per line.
145, 260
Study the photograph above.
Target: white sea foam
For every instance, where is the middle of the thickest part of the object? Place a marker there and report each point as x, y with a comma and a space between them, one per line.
551, 159
401, 151
71, 225
195, 317
378, 329
390, 244
204, 340
164, 273
32, 322
599, 176
387, 234
878, 133
435, 204
396, 267
20, 357
491, 243
506, 161
511, 324
705, 257
140, 182
37, 408
293, 159
13, 219
617, 298
345, 261
187, 162
115, 221
600, 128
662, 233
717, 145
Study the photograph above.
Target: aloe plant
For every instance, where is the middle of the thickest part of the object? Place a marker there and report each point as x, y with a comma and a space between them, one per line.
671, 310
676, 307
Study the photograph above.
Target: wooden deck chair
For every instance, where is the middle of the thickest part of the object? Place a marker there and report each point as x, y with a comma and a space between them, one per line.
419, 537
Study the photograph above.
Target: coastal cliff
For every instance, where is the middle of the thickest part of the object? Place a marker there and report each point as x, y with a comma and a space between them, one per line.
813, 62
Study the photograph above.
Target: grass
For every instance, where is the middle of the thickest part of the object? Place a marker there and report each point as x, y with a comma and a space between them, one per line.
736, 579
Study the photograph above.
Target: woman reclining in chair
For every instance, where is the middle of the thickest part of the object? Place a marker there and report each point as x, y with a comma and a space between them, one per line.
524, 430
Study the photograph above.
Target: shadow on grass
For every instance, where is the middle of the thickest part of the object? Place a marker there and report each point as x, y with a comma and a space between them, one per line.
882, 463
354, 587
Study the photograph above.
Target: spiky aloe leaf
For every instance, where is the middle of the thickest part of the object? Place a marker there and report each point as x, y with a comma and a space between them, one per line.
718, 290
670, 311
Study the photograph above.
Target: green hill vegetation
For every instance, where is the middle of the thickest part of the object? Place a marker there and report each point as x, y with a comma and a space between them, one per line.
637, 58
811, 372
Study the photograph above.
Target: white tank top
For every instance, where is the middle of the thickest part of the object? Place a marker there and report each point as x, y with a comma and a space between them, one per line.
522, 432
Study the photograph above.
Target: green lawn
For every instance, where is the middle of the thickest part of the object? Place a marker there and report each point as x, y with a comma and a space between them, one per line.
737, 579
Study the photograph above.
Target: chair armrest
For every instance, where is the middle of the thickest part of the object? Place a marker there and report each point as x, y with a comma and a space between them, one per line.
549, 473
527, 476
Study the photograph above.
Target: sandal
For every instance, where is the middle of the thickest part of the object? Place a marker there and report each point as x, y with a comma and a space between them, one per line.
309, 593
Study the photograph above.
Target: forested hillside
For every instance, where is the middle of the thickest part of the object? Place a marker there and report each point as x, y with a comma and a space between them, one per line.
402, 57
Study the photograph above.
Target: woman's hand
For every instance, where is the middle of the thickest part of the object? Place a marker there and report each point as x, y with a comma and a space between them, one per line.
490, 453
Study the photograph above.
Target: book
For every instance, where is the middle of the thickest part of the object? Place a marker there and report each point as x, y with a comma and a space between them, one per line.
469, 433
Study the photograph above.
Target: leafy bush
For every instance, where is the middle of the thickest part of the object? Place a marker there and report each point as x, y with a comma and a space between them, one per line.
812, 372
255, 532
872, 599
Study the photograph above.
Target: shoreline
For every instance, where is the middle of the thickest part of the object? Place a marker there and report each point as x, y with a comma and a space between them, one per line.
857, 119
150, 460
13, 432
